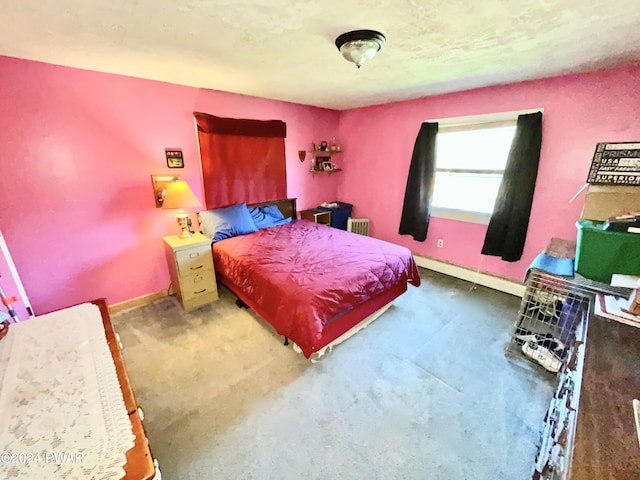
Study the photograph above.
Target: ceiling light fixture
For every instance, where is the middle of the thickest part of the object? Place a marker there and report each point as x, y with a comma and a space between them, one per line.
360, 45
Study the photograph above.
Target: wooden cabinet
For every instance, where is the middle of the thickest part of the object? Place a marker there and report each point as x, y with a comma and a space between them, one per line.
558, 433
606, 441
82, 374
191, 269
316, 215
589, 430
140, 464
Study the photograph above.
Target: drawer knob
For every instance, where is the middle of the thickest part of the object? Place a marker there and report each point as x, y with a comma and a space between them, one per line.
196, 268
194, 254
201, 291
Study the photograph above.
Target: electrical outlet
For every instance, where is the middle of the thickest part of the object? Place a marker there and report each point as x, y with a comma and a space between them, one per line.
440, 243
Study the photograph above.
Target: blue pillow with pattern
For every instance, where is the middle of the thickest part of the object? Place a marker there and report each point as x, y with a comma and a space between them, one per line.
267, 216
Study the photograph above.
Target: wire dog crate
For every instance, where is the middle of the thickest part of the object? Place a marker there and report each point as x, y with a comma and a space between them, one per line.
551, 308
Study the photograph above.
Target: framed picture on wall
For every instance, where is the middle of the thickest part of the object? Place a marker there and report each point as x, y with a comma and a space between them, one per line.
174, 158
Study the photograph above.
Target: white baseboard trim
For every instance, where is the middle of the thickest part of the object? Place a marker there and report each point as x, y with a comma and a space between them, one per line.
473, 276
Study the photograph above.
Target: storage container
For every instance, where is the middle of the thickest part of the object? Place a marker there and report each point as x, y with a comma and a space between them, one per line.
339, 214
600, 253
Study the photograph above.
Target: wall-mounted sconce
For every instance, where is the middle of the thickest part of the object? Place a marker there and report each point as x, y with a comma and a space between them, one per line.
159, 183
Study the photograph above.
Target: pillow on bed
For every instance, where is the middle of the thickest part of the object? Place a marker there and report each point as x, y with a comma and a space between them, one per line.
273, 211
267, 216
221, 223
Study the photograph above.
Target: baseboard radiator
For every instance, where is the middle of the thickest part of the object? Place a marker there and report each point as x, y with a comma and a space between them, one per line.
358, 225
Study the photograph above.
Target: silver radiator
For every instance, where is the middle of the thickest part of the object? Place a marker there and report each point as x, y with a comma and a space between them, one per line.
358, 225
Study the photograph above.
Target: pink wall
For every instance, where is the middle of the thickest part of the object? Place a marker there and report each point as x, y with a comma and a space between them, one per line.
78, 149
579, 111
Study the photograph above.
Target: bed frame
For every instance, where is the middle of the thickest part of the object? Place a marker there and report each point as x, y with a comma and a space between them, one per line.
340, 329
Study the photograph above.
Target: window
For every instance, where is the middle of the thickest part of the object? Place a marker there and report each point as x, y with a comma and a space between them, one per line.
470, 162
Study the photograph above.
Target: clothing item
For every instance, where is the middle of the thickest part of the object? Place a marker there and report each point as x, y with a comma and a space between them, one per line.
522, 335
541, 354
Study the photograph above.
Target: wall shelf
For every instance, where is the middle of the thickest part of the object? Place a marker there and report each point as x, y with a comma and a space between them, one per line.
322, 156
324, 153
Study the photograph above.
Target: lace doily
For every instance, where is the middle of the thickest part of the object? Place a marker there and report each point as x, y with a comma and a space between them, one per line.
62, 414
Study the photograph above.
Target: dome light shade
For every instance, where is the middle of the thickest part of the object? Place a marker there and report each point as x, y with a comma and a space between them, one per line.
360, 45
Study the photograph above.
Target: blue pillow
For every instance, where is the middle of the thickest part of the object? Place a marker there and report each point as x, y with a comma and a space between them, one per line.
282, 221
267, 216
273, 211
221, 223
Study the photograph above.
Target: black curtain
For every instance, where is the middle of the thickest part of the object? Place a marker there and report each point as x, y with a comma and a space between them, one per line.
422, 176
508, 225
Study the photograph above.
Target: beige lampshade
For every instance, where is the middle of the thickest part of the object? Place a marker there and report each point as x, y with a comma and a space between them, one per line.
179, 195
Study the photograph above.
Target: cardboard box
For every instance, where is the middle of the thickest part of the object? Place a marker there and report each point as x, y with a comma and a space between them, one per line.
560, 248
606, 201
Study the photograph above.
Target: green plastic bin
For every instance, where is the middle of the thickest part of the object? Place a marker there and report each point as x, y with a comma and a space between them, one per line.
600, 254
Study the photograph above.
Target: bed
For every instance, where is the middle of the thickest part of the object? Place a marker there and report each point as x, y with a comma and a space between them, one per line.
314, 284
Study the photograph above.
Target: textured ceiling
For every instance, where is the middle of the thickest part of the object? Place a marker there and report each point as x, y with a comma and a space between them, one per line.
284, 49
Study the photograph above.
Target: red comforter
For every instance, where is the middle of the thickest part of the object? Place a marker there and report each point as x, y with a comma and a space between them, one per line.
302, 276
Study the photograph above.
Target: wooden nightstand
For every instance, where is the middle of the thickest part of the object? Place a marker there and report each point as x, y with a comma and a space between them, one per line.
316, 215
191, 269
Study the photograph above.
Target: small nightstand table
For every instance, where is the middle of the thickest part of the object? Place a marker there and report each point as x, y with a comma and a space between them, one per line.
191, 268
316, 215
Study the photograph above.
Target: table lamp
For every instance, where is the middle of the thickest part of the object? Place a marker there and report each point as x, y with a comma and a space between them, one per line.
178, 195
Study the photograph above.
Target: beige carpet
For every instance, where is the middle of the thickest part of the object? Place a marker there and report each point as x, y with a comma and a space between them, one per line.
425, 392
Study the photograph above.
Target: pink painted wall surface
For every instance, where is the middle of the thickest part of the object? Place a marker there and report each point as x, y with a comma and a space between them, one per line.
579, 111
79, 148
78, 151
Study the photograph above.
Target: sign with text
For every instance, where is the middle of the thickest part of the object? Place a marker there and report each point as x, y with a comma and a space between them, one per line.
615, 164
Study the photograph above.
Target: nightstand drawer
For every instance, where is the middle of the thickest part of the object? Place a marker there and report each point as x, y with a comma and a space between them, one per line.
193, 260
190, 265
198, 284
199, 301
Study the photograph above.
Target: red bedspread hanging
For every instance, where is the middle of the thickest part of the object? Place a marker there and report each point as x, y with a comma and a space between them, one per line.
242, 160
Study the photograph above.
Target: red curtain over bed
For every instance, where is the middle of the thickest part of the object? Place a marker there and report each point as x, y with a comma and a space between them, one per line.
242, 160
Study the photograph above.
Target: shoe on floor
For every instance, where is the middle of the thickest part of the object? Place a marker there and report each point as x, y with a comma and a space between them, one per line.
542, 355
547, 340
